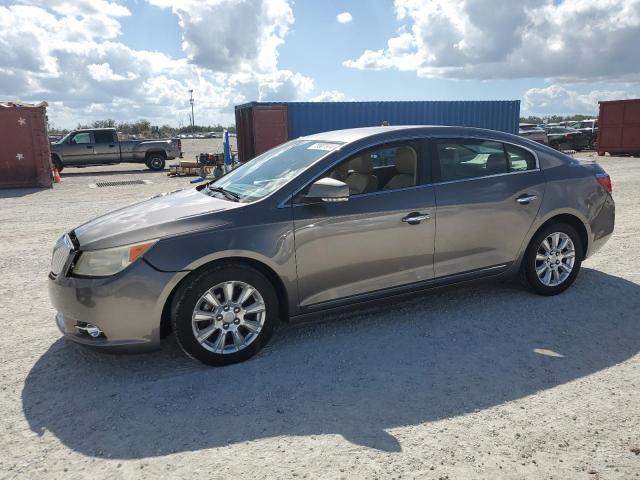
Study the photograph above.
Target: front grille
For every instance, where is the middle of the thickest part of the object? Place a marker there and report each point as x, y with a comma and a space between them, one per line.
61, 252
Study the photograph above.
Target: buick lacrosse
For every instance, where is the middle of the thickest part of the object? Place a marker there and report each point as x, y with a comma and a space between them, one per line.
321, 222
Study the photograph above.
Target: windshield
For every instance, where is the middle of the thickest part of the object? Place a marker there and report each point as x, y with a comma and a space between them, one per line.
267, 172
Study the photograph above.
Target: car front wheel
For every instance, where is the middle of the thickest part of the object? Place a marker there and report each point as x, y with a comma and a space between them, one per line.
553, 259
224, 315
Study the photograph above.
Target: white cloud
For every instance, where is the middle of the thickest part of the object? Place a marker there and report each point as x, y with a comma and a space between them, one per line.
556, 99
344, 17
231, 35
77, 63
330, 96
572, 40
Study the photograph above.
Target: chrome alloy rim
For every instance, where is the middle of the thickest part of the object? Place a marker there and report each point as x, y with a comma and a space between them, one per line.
156, 162
555, 258
228, 317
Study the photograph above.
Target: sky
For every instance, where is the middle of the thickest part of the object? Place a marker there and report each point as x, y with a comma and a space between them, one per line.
126, 60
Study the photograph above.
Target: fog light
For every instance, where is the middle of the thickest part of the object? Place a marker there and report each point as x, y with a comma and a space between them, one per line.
91, 330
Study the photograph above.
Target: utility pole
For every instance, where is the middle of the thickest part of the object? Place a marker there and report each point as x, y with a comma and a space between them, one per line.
193, 122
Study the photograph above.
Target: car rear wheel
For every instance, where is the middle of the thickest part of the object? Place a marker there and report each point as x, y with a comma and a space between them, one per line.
225, 315
553, 259
155, 161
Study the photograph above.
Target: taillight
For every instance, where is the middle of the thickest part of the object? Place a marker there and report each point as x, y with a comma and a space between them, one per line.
568, 136
605, 180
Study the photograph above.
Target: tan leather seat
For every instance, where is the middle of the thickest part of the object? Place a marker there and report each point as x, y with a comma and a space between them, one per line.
341, 172
362, 179
406, 161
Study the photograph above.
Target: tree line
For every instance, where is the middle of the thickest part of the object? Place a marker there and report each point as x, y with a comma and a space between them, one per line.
555, 118
144, 128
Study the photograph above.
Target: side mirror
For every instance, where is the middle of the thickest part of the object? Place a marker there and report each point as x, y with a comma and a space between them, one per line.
328, 190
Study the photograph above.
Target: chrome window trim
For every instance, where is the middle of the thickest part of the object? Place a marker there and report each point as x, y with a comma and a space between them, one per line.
486, 176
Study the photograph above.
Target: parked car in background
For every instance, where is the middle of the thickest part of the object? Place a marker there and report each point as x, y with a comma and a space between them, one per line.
55, 138
589, 128
101, 146
533, 132
329, 220
565, 138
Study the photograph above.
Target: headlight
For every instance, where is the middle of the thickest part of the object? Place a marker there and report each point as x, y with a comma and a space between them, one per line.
109, 261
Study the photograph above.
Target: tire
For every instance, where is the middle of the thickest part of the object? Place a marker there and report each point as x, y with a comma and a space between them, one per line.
57, 163
532, 263
155, 162
235, 323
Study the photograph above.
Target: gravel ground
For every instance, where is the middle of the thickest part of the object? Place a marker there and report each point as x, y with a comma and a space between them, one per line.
487, 381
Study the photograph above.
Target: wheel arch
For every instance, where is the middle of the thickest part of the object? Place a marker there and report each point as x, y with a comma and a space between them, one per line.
266, 270
148, 153
570, 219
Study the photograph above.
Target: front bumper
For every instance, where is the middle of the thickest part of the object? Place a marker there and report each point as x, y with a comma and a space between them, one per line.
127, 307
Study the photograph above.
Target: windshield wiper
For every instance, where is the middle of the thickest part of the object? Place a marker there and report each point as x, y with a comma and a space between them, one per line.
230, 195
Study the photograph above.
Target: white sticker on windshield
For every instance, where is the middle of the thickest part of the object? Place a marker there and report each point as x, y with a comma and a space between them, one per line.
323, 146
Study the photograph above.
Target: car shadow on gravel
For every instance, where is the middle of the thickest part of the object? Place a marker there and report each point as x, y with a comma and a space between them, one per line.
358, 375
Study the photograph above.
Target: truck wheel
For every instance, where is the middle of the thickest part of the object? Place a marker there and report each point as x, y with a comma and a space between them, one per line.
155, 161
57, 163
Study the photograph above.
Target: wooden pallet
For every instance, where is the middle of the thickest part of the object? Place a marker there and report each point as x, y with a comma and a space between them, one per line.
187, 168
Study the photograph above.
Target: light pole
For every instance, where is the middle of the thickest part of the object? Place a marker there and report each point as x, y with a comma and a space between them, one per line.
193, 122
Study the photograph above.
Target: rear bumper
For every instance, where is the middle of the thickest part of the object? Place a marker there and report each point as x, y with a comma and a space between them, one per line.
602, 226
127, 307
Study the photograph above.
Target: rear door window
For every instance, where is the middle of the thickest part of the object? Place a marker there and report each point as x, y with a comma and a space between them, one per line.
519, 159
103, 136
470, 158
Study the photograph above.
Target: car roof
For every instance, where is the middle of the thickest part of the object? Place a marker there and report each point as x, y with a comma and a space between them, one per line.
353, 134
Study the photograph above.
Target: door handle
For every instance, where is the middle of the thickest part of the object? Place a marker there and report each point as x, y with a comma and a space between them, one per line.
111, 146
89, 146
526, 199
415, 218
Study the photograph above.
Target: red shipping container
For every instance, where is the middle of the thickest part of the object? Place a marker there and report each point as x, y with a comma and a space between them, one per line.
25, 157
619, 127
260, 128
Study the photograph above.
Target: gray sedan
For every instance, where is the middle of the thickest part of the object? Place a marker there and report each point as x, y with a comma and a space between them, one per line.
324, 222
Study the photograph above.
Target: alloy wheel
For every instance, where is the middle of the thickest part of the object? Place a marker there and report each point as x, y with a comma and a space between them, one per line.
555, 259
228, 317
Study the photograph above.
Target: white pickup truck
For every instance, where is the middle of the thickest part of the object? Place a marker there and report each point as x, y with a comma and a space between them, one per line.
100, 146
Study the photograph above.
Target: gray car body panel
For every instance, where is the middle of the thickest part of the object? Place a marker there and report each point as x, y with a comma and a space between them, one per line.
328, 255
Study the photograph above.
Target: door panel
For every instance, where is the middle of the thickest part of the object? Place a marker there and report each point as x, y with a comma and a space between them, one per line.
79, 150
362, 245
480, 221
105, 148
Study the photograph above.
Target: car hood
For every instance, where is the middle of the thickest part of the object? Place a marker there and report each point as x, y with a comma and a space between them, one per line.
161, 216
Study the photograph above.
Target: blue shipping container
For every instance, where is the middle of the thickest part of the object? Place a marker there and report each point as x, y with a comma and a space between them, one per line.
306, 118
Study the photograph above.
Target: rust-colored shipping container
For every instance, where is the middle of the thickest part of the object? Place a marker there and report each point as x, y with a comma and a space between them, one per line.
619, 127
25, 157
260, 128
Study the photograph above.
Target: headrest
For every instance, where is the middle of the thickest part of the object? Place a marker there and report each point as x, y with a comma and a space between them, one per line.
362, 164
496, 163
406, 160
